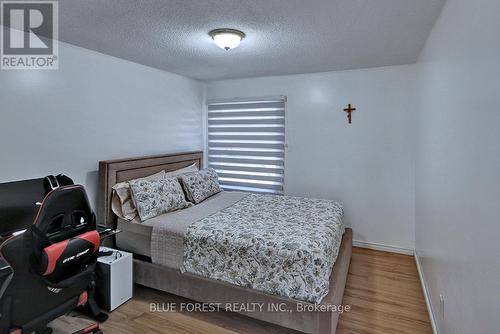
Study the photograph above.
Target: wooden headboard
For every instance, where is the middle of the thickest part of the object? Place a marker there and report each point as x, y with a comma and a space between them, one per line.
112, 172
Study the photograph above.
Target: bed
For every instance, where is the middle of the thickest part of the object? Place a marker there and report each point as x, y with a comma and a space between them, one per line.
160, 264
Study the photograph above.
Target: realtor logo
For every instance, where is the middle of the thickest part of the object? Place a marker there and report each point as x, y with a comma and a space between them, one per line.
29, 33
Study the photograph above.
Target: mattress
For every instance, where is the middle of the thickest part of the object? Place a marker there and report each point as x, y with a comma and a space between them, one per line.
136, 236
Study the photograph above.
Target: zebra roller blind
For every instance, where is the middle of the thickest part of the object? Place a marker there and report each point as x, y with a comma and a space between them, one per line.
246, 143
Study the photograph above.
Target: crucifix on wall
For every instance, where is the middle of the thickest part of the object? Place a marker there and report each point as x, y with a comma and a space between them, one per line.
349, 110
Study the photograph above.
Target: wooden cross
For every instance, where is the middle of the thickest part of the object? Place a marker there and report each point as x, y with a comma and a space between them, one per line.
349, 110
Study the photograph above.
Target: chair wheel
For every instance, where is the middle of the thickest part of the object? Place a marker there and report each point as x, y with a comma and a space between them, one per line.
46, 330
101, 317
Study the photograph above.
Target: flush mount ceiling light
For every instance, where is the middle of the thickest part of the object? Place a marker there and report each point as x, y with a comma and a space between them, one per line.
227, 38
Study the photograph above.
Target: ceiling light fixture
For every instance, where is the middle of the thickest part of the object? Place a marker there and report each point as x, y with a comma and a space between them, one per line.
227, 38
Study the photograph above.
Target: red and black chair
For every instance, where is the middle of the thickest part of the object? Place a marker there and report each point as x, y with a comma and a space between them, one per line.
53, 264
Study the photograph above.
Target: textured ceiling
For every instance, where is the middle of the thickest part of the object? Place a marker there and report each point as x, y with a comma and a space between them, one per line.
283, 36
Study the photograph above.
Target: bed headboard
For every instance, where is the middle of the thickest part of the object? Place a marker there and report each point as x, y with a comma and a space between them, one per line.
115, 171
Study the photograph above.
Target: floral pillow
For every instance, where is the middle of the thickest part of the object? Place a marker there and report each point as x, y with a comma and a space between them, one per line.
122, 202
200, 185
156, 197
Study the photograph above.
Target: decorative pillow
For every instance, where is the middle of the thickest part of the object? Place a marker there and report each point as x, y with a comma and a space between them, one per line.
122, 202
156, 197
178, 172
200, 185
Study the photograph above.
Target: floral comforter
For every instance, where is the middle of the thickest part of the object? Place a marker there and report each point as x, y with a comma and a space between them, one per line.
280, 245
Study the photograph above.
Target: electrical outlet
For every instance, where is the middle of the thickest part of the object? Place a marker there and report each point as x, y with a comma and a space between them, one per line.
441, 305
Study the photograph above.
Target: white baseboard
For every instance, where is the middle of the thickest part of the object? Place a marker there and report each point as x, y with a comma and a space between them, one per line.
381, 247
426, 295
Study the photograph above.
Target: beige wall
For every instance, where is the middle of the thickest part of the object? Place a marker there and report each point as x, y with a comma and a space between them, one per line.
368, 164
94, 107
458, 166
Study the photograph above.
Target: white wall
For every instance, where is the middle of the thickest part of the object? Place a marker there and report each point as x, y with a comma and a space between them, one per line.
94, 107
458, 166
368, 164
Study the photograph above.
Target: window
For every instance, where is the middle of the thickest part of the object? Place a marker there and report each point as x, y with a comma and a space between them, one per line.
246, 143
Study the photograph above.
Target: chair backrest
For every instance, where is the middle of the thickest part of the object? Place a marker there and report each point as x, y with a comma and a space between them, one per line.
52, 262
17, 201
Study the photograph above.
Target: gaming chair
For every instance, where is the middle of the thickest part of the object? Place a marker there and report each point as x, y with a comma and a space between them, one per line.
53, 264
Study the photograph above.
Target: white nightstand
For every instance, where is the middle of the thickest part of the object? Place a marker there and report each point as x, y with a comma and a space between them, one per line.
114, 279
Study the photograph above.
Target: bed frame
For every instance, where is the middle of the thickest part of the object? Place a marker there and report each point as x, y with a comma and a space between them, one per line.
206, 290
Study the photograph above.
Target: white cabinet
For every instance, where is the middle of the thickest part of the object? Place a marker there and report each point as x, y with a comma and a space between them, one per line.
114, 279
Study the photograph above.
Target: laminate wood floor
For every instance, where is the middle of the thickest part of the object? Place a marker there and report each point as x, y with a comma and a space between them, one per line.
383, 290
